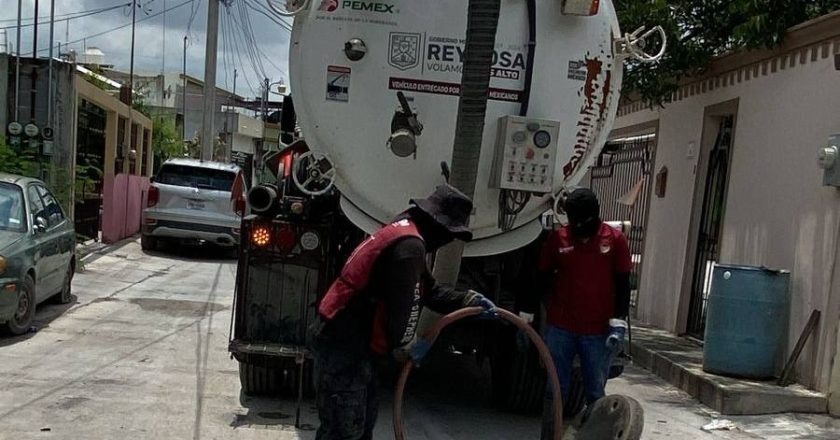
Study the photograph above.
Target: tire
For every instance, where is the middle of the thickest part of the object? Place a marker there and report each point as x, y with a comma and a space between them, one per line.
148, 243
577, 396
519, 381
66, 294
22, 319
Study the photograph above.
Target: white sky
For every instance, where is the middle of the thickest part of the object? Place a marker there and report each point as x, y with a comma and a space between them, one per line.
271, 39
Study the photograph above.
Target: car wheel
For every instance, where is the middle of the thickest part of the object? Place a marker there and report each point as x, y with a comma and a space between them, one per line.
25, 313
66, 295
148, 243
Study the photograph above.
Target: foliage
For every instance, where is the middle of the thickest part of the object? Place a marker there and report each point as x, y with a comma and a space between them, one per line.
699, 30
166, 142
26, 161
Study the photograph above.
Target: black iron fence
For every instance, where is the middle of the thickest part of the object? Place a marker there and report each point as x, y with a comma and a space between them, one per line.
622, 179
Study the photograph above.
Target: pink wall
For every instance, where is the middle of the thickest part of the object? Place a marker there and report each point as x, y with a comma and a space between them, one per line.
122, 206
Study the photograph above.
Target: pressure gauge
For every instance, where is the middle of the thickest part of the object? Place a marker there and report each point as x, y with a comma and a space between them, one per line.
309, 241
542, 139
519, 137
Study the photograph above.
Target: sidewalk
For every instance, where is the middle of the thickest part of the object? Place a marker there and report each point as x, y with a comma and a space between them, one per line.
680, 362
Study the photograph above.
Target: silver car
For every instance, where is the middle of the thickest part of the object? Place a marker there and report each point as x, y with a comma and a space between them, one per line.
190, 201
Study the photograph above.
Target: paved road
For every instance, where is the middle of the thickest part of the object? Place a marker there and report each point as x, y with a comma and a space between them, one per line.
142, 354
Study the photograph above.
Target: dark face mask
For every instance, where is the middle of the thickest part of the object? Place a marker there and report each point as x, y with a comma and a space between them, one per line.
584, 228
435, 236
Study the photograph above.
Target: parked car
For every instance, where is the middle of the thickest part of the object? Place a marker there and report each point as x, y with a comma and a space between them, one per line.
37, 251
190, 201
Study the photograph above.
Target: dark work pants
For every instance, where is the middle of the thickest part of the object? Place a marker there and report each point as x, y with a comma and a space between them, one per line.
346, 395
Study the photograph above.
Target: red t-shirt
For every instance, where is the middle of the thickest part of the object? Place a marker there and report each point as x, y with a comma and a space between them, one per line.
583, 300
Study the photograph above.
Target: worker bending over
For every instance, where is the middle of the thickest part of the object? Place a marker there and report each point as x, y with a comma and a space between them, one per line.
372, 310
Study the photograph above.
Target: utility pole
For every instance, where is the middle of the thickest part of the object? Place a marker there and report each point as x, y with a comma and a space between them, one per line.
184, 95
51, 90
208, 135
130, 131
17, 64
163, 56
35, 33
33, 77
265, 101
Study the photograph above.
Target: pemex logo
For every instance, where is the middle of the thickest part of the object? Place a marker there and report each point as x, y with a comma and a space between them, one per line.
328, 5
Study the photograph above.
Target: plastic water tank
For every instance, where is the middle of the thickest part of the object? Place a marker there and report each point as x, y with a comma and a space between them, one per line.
746, 324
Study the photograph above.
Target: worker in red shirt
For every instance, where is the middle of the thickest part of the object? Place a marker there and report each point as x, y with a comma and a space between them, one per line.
585, 266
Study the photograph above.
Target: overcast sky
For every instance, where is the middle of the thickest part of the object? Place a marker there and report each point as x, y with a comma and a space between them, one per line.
151, 36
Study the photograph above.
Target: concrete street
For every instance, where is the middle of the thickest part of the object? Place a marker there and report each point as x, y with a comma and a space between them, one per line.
142, 354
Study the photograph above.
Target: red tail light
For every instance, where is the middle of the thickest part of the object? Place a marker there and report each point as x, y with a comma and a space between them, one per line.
153, 196
581, 7
240, 206
287, 164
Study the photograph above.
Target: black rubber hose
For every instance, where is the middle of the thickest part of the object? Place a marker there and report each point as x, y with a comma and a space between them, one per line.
545, 355
532, 49
482, 23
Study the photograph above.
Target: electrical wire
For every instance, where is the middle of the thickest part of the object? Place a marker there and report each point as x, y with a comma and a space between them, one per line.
249, 41
71, 16
99, 34
238, 52
262, 9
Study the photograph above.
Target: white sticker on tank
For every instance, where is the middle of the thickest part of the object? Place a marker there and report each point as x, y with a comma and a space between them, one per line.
338, 83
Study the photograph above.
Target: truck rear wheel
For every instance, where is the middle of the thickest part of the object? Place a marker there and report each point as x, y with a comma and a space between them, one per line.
262, 376
519, 381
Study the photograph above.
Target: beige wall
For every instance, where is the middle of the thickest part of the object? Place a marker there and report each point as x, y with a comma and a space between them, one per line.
115, 109
777, 212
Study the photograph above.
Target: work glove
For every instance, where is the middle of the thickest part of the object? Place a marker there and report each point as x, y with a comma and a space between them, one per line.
523, 341
475, 299
618, 328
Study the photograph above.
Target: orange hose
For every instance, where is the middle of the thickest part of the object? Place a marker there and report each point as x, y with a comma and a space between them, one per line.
545, 355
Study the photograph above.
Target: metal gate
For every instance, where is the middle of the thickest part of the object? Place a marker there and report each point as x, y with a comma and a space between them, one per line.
621, 177
90, 163
711, 220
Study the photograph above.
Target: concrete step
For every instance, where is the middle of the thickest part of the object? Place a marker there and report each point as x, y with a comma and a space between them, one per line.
680, 362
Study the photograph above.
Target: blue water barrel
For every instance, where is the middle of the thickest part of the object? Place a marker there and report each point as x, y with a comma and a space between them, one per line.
746, 321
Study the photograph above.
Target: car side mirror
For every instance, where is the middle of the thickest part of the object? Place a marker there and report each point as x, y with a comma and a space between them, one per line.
40, 224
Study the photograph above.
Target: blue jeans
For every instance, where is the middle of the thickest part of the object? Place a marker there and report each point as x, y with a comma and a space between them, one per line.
595, 360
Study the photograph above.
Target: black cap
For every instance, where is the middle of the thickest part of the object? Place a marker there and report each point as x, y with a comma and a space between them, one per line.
449, 208
581, 204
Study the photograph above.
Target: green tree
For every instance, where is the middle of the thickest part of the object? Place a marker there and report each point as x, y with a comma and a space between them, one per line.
699, 30
166, 142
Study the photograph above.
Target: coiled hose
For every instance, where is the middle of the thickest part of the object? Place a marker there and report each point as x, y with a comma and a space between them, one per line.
545, 355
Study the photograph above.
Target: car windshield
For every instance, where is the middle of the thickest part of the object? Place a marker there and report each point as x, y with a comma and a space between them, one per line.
11, 208
196, 177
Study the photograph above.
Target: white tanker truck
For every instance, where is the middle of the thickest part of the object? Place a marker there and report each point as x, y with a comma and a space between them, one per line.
387, 102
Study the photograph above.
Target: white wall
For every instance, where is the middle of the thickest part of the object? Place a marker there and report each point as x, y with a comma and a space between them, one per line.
777, 213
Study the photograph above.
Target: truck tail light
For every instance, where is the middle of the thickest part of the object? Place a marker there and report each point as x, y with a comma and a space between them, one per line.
581, 7
153, 196
286, 240
261, 236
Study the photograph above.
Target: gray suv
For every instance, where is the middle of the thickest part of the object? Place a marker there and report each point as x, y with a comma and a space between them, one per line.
191, 201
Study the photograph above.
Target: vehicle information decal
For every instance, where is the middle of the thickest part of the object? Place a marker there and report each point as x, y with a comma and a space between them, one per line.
338, 83
451, 89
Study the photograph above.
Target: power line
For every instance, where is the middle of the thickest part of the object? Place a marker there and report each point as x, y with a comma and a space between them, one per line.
99, 34
62, 17
73, 16
239, 55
